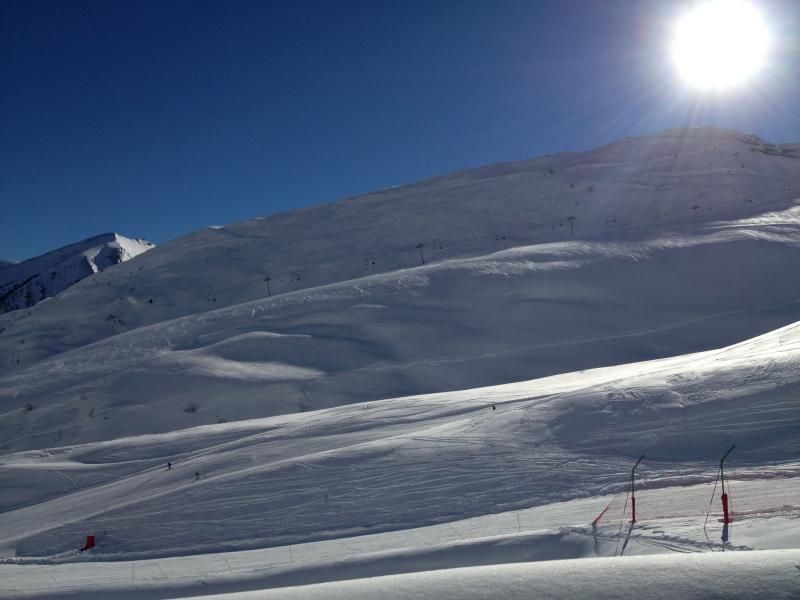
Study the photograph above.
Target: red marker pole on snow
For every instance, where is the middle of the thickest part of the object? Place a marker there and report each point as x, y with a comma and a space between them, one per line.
725, 515
633, 494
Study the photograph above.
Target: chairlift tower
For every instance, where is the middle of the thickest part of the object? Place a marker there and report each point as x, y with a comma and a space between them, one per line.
726, 519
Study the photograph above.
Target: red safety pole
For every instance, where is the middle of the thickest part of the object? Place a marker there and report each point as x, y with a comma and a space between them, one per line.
725, 515
633, 494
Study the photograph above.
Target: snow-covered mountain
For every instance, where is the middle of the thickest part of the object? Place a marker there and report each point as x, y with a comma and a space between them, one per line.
6, 263
682, 241
454, 373
631, 189
24, 284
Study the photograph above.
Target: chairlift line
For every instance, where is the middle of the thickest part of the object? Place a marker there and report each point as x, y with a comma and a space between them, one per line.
633, 493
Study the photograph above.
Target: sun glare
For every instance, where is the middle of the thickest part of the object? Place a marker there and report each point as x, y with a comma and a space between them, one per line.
720, 44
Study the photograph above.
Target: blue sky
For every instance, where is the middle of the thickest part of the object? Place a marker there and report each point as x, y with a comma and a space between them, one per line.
155, 119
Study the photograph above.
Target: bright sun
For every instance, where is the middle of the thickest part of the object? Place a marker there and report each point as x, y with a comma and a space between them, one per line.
720, 44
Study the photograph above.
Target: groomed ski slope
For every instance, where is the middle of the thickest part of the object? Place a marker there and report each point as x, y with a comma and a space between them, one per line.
435, 478
767, 575
440, 571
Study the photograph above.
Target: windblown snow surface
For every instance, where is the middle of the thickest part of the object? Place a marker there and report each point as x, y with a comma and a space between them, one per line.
309, 458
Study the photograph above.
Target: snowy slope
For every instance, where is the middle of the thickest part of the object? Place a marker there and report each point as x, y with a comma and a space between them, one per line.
410, 462
630, 188
460, 323
761, 574
24, 284
767, 575
6, 263
305, 448
522, 472
481, 315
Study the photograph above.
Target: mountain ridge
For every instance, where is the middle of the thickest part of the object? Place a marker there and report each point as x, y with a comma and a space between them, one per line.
25, 284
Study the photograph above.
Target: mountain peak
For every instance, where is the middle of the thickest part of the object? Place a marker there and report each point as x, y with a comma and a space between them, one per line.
29, 282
